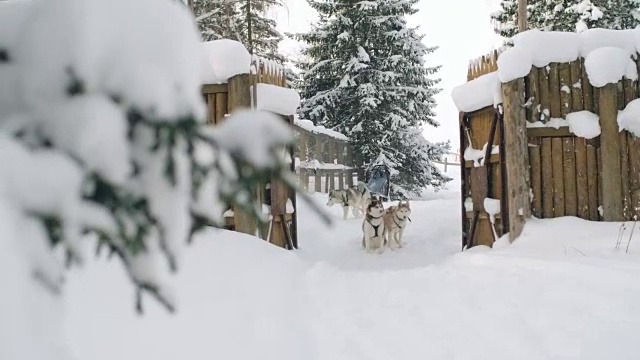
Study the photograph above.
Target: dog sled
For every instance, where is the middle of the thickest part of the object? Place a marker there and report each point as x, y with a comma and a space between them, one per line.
378, 181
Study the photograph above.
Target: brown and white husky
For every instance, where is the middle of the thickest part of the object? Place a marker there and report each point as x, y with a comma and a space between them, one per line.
373, 226
396, 219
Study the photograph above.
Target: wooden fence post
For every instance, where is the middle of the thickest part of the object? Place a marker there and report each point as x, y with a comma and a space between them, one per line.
341, 174
517, 156
332, 157
612, 202
240, 97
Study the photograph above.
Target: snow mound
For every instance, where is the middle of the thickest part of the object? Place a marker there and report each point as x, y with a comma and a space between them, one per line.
584, 124
608, 65
478, 93
224, 59
629, 118
277, 99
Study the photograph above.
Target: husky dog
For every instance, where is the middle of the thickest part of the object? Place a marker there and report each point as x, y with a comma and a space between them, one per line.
356, 197
395, 221
373, 226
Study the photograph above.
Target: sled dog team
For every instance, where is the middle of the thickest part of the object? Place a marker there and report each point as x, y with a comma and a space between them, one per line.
380, 227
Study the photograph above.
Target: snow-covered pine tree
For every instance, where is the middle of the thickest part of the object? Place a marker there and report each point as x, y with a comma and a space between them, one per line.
568, 15
227, 19
364, 75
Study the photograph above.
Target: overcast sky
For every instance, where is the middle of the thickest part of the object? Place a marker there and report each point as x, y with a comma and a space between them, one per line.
461, 28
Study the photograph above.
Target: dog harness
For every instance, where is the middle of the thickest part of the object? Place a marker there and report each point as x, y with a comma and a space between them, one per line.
394, 220
375, 228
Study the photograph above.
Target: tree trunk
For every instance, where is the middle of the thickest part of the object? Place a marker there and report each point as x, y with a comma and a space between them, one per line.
522, 15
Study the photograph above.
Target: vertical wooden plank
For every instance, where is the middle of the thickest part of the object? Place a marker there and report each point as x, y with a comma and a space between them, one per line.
221, 107
517, 157
547, 178
634, 175
582, 187
630, 92
543, 87
576, 86
567, 149
558, 177
349, 159
620, 97
211, 109
305, 178
340, 157
239, 98
317, 181
279, 197
624, 175
533, 111
630, 183
331, 175
612, 201
592, 182
566, 100
587, 89
570, 191
600, 174
580, 144
483, 233
327, 175
536, 179
554, 91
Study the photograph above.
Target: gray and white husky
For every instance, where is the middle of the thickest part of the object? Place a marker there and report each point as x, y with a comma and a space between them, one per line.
395, 221
357, 197
373, 226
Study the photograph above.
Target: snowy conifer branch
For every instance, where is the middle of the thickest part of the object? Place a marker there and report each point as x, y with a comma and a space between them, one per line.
105, 137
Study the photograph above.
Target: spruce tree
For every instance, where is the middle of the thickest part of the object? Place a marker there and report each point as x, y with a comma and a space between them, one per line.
228, 19
364, 75
568, 15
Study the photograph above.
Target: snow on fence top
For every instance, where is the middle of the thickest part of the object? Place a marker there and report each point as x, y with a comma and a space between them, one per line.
224, 59
540, 48
309, 126
277, 99
478, 93
607, 55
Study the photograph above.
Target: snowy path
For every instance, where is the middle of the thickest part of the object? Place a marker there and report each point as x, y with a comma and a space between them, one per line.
431, 236
560, 292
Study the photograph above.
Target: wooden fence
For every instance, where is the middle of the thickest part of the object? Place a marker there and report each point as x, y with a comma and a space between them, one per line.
277, 199
558, 173
325, 162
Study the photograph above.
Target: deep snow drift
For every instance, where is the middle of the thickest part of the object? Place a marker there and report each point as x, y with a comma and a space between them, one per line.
561, 291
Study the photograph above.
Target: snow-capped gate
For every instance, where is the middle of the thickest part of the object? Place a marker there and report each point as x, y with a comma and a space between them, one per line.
261, 86
565, 121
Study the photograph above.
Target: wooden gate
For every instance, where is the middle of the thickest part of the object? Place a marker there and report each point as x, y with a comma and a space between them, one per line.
548, 171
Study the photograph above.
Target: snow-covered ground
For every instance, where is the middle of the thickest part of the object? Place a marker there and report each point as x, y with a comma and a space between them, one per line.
561, 292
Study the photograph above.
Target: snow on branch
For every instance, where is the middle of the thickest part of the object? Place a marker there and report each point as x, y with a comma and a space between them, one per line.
103, 142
